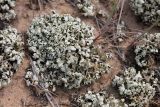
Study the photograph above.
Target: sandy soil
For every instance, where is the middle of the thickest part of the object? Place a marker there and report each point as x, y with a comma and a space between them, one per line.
18, 95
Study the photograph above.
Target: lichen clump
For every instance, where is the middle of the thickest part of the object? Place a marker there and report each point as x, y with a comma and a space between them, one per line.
86, 7
63, 53
147, 10
99, 99
147, 49
135, 86
11, 54
6, 10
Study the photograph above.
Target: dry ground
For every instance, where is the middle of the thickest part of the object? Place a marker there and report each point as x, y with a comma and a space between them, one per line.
18, 95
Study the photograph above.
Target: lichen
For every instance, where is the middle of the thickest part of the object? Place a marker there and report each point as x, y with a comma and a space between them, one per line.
147, 10
63, 53
148, 46
6, 10
86, 7
11, 54
135, 87
99, 99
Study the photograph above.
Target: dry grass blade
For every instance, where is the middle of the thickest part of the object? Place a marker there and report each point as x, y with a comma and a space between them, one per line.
120, 14
98, 24
122, 6
39, 4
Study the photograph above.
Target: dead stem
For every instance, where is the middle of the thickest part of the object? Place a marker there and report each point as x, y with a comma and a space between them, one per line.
99, 28
120, 14
39, 5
